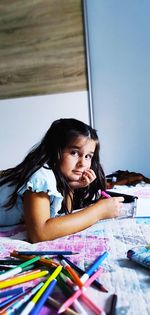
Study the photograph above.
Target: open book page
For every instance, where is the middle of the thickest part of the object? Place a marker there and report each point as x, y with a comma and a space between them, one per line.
142, 203
143, 207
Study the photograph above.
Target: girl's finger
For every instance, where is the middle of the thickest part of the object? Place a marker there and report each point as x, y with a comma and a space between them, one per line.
89, 176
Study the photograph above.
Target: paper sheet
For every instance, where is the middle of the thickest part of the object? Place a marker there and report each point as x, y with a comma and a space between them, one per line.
143, 207
142, 203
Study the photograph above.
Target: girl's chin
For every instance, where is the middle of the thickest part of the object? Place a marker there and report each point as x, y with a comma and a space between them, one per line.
74, 179
74, 183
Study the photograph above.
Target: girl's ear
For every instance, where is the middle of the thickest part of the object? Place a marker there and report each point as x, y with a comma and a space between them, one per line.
58, 156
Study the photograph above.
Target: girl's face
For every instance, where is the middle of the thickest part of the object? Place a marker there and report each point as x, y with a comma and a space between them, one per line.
76, 159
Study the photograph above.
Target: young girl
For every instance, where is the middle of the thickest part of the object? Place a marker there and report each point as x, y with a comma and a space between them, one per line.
60, 174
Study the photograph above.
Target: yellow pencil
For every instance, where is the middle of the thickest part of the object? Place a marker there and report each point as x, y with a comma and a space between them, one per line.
38, 295
24, 278
52, 277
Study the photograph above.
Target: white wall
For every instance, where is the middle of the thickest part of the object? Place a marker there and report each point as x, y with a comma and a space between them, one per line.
119, 42
23, 121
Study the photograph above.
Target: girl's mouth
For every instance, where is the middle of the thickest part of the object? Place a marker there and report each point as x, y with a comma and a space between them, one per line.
77, 172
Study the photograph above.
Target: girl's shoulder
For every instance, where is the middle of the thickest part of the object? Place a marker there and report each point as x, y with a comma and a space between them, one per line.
43, 180
44, 174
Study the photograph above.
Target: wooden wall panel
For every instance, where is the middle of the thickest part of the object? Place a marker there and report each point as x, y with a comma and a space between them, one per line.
41, 47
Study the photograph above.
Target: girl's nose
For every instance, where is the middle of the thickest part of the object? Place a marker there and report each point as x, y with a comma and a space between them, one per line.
81, 161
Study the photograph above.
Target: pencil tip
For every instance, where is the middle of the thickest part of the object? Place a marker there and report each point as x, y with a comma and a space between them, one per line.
74, 253
103, 289
61, 310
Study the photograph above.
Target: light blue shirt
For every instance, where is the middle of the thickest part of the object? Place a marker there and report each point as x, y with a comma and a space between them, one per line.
42, 180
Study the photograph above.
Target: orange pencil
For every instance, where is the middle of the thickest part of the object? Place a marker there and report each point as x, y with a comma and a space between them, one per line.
74, 275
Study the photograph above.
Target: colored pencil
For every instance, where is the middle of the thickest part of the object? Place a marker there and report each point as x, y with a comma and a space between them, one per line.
97, 310
16, 270
17, 280
15, 306
44, 297
104, 194
113, 305
12, 298
25, 273
74, 275
54, 303
10, 292
77, 293
4, 309
28, 272
10, 261
34, 300
95, 283
47, 252
9, 267
93, 267
4, 268
41, 261
68, 291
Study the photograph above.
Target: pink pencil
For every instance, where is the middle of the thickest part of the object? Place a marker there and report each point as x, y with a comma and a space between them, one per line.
97, 310
75, 295
104, 194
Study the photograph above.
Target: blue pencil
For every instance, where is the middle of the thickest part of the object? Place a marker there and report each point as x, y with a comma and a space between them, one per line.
13, 308
94, 266
44, 297
29, 307
13, 298
11, 292
96, 283
47, 252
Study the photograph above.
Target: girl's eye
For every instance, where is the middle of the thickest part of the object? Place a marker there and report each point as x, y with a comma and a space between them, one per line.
89, 157
75, 153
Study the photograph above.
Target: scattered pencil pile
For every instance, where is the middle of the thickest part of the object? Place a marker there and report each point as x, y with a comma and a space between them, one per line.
23, 267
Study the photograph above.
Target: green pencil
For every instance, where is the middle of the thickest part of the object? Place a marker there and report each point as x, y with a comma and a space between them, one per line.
18, 269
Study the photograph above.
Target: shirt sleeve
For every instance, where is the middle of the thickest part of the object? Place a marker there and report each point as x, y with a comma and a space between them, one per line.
42, 180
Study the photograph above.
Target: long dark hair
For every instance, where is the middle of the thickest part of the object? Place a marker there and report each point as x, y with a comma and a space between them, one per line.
47, 153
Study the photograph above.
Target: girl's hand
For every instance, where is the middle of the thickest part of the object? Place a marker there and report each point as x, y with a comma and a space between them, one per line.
87, 178
110, 208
